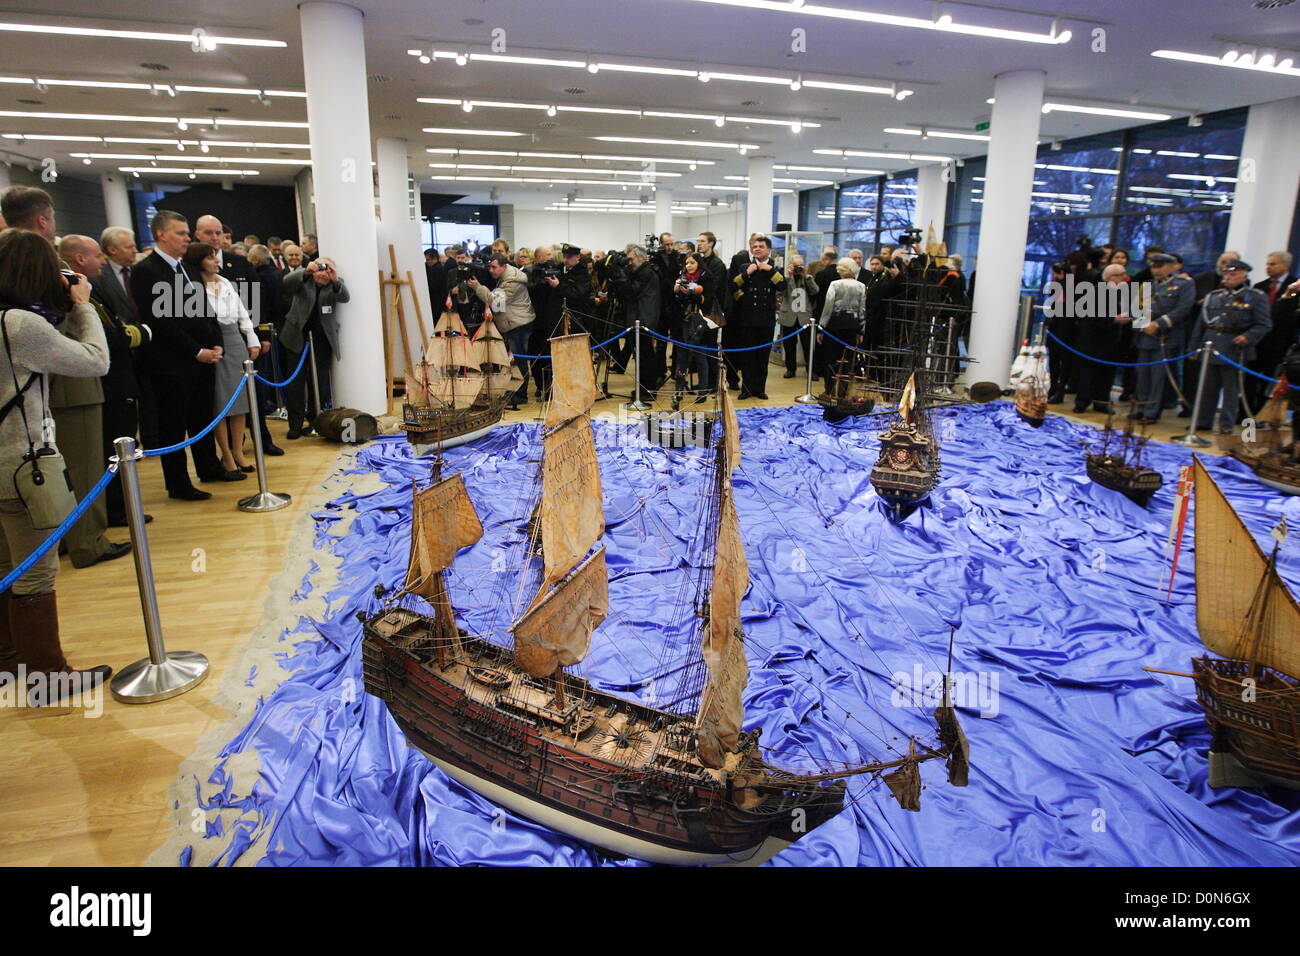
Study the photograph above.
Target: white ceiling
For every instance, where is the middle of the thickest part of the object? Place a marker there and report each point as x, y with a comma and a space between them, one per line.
952, 76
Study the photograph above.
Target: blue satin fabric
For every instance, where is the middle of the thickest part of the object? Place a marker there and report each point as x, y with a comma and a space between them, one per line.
1088, 760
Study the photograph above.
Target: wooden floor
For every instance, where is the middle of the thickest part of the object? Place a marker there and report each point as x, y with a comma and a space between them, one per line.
81, 791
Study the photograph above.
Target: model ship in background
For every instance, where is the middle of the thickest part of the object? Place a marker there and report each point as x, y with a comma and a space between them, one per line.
908, 467
460, 388
1275, 462
507, 717
854, 390
1031, 381
1246, 615
1117, 465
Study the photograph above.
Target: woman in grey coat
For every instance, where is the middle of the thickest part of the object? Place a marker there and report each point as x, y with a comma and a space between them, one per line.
843, 317
49, 327
794, 306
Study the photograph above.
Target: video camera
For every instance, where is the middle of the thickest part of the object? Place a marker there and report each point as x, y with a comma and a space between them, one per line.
911, 237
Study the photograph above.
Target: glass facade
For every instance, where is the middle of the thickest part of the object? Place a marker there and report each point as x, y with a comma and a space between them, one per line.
1168, 184
863, 214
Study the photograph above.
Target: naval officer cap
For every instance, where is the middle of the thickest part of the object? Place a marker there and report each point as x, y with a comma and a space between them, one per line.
1236, 264
1161, 258
569, 250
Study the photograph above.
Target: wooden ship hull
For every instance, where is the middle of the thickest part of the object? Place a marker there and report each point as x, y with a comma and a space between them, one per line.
601, 769
1256, 741
427, 425
907, 469
1031, 411
1135, 483
1277, 468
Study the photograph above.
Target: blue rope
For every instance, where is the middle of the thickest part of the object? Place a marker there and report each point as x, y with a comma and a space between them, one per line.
857, 348
1251, 371
154, 452
301, 359
701, 348
598, 345
60, 531
1091, 358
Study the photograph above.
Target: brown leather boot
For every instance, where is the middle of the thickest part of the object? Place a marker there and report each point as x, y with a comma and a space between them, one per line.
34, 625
8, 653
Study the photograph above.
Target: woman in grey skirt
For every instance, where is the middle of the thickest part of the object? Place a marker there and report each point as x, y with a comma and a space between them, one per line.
238, 342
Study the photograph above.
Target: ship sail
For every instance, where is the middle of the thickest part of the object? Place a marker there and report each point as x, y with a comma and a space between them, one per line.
488, 347
907, 401
443, 521
721, 712
556, 628
448, 346
1236, 618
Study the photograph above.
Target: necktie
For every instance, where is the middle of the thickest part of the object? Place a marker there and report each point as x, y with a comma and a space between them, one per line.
1272, 290
126, 284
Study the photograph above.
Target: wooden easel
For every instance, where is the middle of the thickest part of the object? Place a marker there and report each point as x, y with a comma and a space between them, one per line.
390, 305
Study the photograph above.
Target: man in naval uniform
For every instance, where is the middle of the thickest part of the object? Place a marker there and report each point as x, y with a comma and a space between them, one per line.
1234, 318
1172, 299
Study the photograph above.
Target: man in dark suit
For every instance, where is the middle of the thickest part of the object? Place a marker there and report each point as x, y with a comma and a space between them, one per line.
755, 285
1273, 346
113, 284
243, 277
186, 346
310, 250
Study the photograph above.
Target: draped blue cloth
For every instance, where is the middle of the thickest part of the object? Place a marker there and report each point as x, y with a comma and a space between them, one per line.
1079, 757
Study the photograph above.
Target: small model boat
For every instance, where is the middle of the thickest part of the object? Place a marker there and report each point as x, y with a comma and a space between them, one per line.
1117, 465
853, 390
908, 467
507, 718
1275, 464
461, 388
1247, 616
1031, 381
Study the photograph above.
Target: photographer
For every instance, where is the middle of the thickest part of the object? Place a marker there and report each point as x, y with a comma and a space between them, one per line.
49, 327
795, 308
693, 288
569, 286
512, 311
637, 285
312, 293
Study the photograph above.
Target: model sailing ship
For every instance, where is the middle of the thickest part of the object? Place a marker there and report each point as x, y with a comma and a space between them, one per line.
1117, 465
512, 723
1275, 464
1031, 381
908, 467
461, 387
1246, 615
854, 390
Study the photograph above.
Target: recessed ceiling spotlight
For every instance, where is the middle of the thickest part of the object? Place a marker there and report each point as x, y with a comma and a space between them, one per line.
550, 111
461, 59
704, 77
593, 67
467, 106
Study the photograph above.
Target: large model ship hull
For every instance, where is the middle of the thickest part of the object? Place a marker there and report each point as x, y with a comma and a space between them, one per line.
1136, 484
1031, 411
1255, 740
1276, 468
514, 748
426, 426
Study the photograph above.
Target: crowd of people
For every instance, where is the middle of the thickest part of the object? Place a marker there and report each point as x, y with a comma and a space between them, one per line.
686, 291
102, 341
1254, 325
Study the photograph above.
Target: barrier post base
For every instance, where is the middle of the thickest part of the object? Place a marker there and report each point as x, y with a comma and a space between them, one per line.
1195, 440
264, 501
145, 682
807, 398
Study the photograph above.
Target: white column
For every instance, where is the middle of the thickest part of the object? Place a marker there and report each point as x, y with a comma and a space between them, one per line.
931, 200
1003, 233
398, 228
302, 202
338, 117
1267, 178
758, 204
117, 204
663, 211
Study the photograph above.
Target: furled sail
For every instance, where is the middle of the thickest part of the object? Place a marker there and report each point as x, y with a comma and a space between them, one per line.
488, 347
574, 387
571, 521
417, 386
443, 521
721, 712
907, 401
1234, 582
556, 630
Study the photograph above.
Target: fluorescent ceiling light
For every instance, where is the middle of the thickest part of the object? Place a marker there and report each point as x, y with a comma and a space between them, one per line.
1209, 179
1103, 111
526, 60
1221, 156
182, 169
250, 160
732, 189
608, 110
168, 120
641, 68
554, 169
943, 134
848, 87
672, 142
234, 144
540, 179
1247, 62
882, 154
587, 157
470, 132
75, 31
1077, 169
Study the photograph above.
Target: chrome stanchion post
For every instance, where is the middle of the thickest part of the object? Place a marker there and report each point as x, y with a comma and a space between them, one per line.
264, 500
637, 405
1191, 438
281, 409
160, 675
315, 378
808, 398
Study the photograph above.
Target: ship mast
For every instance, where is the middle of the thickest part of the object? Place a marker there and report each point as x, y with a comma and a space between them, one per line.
573, 597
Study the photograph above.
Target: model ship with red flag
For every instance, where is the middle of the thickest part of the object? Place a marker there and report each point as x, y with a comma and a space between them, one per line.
508, 717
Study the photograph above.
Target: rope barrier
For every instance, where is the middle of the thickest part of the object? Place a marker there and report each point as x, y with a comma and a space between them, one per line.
154, 452
598, 345
857, 348
1251, 371
1092, 358
711, 350
301, 360
60, 531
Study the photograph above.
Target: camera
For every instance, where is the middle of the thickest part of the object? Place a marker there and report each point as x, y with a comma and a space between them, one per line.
912, 237
546, 270
71, 276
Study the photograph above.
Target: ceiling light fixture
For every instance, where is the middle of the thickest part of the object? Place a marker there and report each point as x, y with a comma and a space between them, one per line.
942, 134
1104, 111
471, 132
66, 30
1234, 59
689, 143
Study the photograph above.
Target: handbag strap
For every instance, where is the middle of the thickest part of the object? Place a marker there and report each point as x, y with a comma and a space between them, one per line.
18, 398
